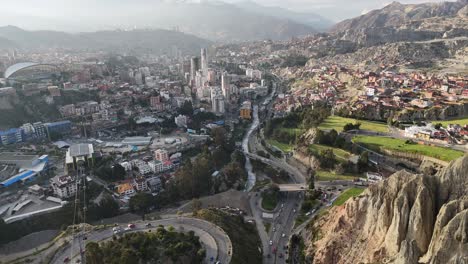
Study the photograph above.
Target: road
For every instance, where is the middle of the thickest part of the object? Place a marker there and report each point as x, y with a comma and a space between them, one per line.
213, 238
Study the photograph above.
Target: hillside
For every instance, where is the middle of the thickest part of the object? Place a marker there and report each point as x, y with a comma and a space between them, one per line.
413, 22
136, 40
407, 218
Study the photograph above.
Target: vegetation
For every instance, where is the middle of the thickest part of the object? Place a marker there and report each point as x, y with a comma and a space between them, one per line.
352, 192
337, 123
461, 121
244, 236
287, 129
322, 175
339, 153
379, 143
270, 197
162, 246
282, 146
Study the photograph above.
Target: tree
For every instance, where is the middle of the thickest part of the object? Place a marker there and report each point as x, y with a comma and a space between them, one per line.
363, 161
132, 123
438, 126
219, 136
141, 203
94, 253
311, 180
196, 204
186, 109
327, 159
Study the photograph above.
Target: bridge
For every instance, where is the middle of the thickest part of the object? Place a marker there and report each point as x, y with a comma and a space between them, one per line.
293, 187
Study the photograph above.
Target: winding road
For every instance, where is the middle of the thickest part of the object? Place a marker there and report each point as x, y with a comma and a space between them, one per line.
215, 241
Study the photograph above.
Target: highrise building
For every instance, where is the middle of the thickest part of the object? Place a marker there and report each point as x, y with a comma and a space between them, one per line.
217, 101
194, 67
204, 61
226, 86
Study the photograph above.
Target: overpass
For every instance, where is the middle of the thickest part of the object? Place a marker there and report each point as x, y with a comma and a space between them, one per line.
293, 187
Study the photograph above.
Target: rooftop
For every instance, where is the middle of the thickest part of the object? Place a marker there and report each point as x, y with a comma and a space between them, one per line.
78, 150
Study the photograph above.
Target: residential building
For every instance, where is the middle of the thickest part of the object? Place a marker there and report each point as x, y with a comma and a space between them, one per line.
140, 184
161, 155
246, 110
64, 186
125, 189
180, 121
156, 166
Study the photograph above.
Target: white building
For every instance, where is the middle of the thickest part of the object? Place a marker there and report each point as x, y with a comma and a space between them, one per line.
217, 101
156, 166
180, 121
226, 86
64, 186
254, 74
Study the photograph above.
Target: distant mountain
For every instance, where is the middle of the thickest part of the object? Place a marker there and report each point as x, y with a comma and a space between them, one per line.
156, 41
216, 21
6, 43
398, 22
310, 19
220, 21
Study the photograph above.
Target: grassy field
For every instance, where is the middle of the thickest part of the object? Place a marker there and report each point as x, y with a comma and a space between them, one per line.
284, 147
329, 176
339, 153
377, 143
269, 201
337, 123
353, 192
461, 121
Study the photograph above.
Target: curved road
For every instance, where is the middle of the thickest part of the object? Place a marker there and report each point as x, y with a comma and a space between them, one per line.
213, 238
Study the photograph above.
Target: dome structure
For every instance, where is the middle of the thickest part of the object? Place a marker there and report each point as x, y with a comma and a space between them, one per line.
27, 71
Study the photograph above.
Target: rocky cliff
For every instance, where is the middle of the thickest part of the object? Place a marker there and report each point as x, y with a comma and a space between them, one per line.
407, 218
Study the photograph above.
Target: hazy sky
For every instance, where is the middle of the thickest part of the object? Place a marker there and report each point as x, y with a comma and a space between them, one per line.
57, 14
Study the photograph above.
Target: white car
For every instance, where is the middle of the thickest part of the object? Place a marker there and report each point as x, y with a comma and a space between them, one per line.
274, 229
271, 242
283, 235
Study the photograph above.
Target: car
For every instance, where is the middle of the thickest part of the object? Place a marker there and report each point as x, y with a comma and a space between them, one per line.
268, 256
281, 255
283, 235
274, 229
271, 242
66, 260
302, 187
212, 259
274, 250
282, 205
148, 225
131, 226
127, 229
294, 210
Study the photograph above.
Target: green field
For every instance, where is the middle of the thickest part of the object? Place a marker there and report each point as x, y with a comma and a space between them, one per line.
284, 147
352, 192
339, 153
378, 143
337, 123
330, 176
269, 201
461, 121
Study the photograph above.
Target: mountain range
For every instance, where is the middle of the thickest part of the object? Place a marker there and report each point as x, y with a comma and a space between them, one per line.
154, 41
212, 20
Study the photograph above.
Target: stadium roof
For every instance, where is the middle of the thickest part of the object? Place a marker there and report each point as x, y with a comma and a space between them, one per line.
18, 66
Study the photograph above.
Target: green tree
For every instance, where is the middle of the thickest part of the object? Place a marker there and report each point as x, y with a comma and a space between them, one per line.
327, 159
363, 161
186, 109
93, 253
141, 203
